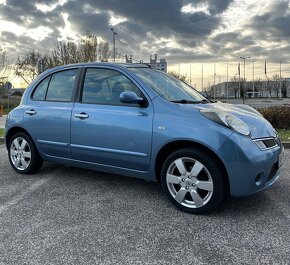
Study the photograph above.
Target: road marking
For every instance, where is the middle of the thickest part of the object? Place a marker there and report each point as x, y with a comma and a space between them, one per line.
20, 197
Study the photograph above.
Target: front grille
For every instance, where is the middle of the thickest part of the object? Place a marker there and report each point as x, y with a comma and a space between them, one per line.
267, 143
270, 143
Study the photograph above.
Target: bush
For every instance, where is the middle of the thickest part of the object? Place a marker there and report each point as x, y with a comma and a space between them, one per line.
279, 117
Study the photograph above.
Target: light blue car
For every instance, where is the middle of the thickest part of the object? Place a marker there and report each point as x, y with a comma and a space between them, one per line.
132, 120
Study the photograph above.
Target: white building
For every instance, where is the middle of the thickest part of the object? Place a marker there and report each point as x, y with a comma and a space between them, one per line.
154, 63
258, 89
161, 65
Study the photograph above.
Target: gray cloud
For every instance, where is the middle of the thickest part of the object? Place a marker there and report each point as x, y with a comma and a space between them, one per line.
150, 26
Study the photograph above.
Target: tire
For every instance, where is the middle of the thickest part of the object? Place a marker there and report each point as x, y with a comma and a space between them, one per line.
23, 155
193, 181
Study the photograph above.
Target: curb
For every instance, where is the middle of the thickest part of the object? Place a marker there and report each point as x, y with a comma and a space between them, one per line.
2, 141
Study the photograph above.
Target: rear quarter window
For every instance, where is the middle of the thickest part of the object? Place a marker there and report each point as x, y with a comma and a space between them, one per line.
40, 91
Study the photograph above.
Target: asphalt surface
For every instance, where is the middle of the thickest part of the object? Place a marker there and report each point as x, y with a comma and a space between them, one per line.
2, 121
64, 215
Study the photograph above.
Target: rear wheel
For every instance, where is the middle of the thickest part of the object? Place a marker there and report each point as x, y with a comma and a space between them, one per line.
192, 181
23, 155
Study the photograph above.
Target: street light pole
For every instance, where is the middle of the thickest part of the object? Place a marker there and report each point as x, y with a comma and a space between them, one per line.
253, 78
244, 58
214, 82
114, 43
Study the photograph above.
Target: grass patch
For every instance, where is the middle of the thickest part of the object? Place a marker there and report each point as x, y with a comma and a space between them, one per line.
1, 132
284, 134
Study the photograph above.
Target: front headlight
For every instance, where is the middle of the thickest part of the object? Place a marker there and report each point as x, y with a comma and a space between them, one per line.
227, 119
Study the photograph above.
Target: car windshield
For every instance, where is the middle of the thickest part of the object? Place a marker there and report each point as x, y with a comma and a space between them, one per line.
169, 87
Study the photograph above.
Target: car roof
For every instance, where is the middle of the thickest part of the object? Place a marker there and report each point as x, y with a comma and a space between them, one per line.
119, 65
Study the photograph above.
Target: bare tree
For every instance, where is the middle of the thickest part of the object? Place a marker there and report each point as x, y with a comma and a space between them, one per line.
26, 66
88, 48
3, 66
284, 87
65, 52
275, 84
239, 85
267, 87
258, 85
182, 77
105, 54
235, 85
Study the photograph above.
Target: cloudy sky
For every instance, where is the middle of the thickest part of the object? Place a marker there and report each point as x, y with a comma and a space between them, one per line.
182, 31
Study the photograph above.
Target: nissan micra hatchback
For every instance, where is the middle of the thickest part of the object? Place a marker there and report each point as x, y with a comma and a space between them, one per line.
136, 121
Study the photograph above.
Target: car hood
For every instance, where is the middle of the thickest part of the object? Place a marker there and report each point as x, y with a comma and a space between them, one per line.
258, 125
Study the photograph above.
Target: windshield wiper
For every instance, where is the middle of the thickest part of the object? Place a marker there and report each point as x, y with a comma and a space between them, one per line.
186, 101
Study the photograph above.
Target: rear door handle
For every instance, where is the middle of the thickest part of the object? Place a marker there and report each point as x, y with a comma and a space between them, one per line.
30, 112
82, 115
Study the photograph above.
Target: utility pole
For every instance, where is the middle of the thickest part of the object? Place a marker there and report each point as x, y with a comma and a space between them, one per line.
202, 76
244, 58
253, 78
214, 81
239, 72
280, 83
227, 80
114, 43
266, 78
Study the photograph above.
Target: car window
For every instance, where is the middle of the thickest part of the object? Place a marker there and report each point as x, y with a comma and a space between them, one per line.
104, 86
61, 86
40, 91
168, 87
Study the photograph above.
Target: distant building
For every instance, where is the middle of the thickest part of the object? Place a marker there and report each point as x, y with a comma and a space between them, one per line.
154, 63
261, 89
161, 65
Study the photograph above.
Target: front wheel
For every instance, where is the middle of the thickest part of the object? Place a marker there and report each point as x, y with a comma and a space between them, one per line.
192, 181
23, 155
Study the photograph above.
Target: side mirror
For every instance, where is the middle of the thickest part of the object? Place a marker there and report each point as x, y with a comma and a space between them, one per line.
130, 97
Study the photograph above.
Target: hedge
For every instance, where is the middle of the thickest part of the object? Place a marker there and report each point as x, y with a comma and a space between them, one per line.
279, 117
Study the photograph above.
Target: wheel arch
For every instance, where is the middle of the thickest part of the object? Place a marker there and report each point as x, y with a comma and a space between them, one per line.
180, 144
14, 130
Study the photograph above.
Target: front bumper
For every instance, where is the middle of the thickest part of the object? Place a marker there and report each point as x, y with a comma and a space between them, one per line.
249, 168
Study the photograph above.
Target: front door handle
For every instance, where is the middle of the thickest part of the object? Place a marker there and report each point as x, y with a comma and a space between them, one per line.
30, 112
82, 115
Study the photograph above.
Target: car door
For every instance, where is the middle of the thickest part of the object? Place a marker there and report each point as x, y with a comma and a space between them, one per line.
48, 113
106, 131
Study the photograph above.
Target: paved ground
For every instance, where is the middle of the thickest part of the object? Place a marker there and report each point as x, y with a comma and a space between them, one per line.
2, 121
72, 216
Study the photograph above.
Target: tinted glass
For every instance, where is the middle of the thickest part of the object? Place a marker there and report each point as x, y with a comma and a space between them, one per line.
104, 86
61, 86
40, 91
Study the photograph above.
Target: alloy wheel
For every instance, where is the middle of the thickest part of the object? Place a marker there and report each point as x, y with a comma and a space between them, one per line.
20, 153
189, 182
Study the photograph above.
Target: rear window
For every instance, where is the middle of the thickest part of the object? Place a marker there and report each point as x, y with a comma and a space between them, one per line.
57, 87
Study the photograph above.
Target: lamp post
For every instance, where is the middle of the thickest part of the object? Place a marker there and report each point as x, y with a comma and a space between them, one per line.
244, 58
253, 78
114, 43
214, 74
